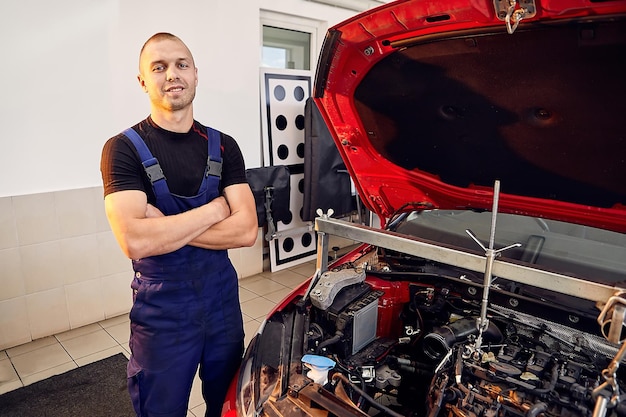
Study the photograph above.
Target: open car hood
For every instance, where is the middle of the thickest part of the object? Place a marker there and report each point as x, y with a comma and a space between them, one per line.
431, 102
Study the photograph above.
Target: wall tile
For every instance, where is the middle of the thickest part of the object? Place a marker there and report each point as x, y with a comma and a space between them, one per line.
110, 257
36, 218
116, 293
252, 258
14, 325
11, 278
75, 210
102, 224
8, 227
85, 304
79, 256
235, 258
47, 312
42, 266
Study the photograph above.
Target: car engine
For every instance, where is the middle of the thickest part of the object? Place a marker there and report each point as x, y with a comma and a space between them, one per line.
436, 360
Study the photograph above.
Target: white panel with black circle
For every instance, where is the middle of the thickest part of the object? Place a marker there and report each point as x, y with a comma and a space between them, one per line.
283, 97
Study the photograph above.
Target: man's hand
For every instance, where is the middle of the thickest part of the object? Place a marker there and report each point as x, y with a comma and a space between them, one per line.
221, 207
153, 212
239, 228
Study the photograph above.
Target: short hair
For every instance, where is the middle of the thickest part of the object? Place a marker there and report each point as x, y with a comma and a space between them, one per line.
159, 37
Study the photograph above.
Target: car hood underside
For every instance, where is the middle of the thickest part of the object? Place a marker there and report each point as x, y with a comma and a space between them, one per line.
434, 114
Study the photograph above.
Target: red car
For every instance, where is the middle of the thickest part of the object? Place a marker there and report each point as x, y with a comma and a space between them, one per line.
488, 137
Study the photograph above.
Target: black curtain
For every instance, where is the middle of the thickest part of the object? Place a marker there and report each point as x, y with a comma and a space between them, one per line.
326, 181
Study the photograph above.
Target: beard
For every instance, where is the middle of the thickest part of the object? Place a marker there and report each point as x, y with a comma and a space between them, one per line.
175, 103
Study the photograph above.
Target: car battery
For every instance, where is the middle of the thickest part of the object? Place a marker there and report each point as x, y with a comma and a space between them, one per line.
355, 312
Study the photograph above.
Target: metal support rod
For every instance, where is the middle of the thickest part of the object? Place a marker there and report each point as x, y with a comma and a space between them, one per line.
322, 252
603, 401
484, 322
601, 407
490, 256
322, 243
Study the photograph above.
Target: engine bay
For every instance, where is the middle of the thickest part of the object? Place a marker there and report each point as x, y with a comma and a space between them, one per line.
430, 361
402, 326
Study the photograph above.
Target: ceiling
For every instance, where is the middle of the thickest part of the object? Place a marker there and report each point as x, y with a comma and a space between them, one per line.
356, 5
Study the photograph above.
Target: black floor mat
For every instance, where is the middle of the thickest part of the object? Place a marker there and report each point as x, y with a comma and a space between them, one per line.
94, 390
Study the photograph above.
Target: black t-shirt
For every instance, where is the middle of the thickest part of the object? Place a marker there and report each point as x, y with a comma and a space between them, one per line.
182, 156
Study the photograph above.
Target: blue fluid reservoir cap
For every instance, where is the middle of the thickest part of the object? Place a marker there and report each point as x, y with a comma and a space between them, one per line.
318, 362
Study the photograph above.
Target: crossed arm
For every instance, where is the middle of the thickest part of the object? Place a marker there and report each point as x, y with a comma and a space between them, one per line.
142, 230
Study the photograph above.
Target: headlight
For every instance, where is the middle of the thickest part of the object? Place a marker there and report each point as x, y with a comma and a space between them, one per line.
247, 389
262, 367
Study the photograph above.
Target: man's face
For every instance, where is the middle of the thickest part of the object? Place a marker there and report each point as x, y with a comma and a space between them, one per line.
168, 74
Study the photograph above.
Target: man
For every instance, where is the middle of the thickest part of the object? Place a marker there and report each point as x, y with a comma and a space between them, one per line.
176, 198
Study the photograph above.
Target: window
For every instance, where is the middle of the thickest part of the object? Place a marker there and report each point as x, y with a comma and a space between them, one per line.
285, 48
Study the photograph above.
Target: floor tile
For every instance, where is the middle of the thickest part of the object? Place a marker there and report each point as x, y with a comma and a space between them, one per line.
306, 269
29, 347
10, 386
119, 332
40, 360
56, 370
196, 399
263, 286
103, 354
250, 329
89, 343
289, 279
114, 321
9, 380
199, 410
246, 295
80, 331
257, 308
277, 296
246, 318
253, 278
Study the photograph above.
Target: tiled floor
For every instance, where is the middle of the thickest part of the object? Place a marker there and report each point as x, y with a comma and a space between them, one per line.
40, 359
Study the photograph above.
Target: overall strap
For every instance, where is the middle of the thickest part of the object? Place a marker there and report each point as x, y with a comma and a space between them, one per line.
213, 172
214, 162
150, 163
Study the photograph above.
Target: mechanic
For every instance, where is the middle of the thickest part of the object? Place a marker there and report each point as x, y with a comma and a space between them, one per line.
176, 198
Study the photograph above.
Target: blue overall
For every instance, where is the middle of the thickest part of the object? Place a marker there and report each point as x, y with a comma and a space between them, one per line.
185, 309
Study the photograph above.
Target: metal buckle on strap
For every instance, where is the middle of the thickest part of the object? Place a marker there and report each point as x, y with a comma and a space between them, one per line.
213, 168
154, 172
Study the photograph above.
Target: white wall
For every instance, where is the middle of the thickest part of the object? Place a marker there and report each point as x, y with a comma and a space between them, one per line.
68, 71
68, 80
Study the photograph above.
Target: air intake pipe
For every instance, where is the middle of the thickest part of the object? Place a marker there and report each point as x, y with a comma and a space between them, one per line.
437, 344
